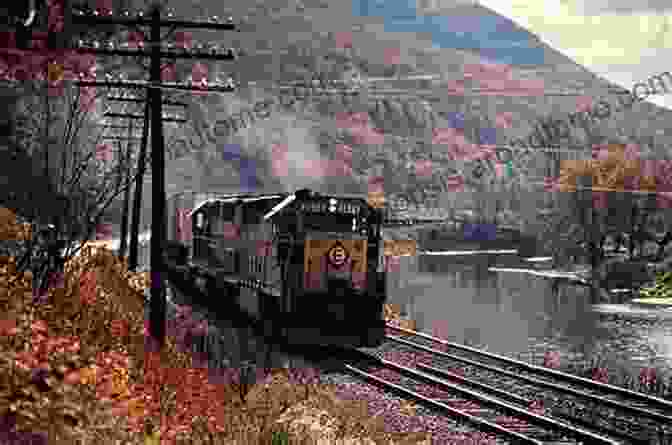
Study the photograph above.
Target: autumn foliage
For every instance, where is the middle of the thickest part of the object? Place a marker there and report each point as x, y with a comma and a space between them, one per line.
75, 369
614, 168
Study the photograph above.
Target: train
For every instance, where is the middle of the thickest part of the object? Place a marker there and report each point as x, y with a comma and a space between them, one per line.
309, 266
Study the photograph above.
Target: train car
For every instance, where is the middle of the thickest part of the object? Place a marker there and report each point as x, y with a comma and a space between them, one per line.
311, 266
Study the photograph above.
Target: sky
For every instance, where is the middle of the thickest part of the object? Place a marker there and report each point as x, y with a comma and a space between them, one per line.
623, 43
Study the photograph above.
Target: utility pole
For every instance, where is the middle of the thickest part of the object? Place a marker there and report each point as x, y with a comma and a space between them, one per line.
127, 196
141, 167
157, 314
137, 194
140, 171
154, 106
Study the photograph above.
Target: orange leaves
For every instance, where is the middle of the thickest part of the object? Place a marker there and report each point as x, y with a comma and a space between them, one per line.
110, 375
86, 375
613, 167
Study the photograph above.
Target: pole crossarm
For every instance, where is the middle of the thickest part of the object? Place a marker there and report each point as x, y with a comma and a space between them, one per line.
229, 55
111, 126
146, 84
139, 116
86, 19
153, 117
121, 138
142, 101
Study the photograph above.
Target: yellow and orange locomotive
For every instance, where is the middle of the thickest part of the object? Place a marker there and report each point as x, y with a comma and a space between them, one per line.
312, 264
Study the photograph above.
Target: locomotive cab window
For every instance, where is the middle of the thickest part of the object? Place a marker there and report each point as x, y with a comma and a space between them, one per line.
200, 221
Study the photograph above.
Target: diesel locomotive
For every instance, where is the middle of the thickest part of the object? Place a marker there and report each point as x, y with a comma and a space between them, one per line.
309, 266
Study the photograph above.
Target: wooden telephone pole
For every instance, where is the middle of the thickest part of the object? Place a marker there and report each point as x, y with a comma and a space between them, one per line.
153, 114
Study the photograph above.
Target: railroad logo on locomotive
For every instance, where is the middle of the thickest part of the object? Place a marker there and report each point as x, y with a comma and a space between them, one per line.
337, 255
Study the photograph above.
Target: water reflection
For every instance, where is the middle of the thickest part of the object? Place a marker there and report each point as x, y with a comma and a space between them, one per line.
511, 312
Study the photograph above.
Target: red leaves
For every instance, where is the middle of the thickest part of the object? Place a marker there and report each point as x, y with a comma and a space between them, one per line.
358, 124
455, 183
39, 327
343, 39
7, 328
183, 39
537, 407
264, 248
648, 377
550, 184
601, 375
104, 152
199, 77
423, 168
43, 347
119, 328
392, 56
135, 40
504, 120
183, 224
552, 359
279, 161
88, 287
194, 395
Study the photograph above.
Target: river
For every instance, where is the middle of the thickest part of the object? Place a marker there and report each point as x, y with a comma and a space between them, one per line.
520, 314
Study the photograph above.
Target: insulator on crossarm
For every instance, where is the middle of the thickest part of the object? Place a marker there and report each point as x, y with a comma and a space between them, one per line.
126, 13
214, 19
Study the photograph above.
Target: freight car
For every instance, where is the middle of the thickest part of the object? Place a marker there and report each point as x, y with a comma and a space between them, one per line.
310, 266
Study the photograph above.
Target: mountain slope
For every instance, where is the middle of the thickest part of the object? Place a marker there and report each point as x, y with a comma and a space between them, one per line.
311, 134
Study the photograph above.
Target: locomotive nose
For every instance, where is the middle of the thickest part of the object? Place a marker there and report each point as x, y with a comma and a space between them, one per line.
338, 286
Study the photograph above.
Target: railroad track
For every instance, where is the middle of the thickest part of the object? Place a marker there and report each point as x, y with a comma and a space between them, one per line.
573, 409
489, 413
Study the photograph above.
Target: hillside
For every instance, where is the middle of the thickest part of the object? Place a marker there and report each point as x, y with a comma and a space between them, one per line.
311, 133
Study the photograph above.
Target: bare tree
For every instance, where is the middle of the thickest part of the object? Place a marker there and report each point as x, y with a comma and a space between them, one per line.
85, 184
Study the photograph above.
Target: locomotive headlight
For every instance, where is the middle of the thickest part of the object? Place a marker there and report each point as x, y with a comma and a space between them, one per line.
332, 205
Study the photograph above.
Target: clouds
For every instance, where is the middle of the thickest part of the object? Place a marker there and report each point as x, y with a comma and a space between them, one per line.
597, 7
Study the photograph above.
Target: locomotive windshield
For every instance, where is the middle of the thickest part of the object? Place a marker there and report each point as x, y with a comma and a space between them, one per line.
332, 215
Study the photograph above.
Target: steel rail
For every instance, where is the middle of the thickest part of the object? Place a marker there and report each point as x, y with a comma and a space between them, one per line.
605, 387
551, 385
487, 388
533, 380
525, 402
441, 406
527, 414
504, 406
